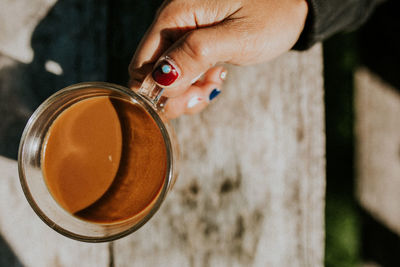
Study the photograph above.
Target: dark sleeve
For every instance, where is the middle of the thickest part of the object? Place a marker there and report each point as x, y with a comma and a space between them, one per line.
326, 17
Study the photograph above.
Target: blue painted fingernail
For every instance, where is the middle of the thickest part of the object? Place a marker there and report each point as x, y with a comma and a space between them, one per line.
214, 93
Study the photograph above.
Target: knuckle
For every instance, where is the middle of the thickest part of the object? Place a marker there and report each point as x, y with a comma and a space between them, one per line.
168, 12
165, 16
195, 47
132, 67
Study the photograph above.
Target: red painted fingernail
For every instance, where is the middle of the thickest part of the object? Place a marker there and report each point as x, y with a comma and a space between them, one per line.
165, 74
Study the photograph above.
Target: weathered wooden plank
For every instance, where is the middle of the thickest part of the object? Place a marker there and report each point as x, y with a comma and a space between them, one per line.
252, 181
128, 21
34, 243
378, 148
251, 188
68, 37
69, 46
18, 19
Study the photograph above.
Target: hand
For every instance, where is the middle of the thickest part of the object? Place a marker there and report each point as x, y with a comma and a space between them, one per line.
189, 37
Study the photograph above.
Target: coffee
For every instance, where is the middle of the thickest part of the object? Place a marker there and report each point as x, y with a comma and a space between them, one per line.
104, 159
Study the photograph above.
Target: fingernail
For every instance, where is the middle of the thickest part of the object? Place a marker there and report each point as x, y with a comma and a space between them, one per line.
165, 74
194, 101
223, 74
214, 93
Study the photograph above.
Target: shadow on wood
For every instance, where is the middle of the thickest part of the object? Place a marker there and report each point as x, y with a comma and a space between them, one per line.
68, 48
251, 190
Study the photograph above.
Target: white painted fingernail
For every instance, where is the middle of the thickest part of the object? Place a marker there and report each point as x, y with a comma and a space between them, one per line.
223, 75
194, 101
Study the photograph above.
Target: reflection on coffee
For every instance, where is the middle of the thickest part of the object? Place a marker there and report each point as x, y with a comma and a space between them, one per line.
104, 159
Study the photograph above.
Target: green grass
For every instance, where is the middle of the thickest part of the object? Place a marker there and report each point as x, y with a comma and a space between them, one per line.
343, 224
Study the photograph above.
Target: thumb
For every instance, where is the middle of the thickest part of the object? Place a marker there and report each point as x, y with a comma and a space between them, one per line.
191, 56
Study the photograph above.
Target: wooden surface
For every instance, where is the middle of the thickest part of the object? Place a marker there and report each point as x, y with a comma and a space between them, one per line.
378, 148
34, 33
252, 181
33, 242
251, 190
18, 20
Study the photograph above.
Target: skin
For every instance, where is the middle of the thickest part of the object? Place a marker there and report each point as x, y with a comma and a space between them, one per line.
198, 35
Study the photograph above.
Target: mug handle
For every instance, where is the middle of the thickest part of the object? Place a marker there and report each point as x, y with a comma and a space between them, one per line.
153, 93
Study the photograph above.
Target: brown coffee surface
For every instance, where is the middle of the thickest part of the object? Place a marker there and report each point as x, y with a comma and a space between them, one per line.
104, 159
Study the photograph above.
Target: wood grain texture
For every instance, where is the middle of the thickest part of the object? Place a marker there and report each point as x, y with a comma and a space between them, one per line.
252, 181
34, 243
33, 33
18, 20
70, 34
378, 148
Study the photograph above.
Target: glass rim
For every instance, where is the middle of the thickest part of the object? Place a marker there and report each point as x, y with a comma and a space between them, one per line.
152, 111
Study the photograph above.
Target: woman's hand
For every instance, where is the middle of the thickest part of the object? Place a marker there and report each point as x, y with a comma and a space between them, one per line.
189, 37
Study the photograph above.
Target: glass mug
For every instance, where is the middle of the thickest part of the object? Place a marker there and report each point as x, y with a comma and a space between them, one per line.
32, 146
